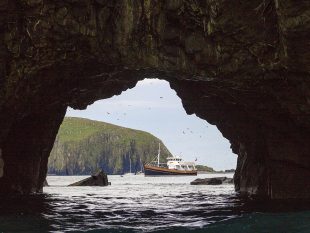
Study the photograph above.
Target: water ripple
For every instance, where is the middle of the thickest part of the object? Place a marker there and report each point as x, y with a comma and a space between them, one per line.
140, 204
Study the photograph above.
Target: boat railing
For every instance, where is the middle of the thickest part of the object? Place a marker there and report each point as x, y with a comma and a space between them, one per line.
164, 165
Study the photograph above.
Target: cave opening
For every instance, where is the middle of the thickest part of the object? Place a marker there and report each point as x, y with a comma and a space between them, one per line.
151, 107
258, 129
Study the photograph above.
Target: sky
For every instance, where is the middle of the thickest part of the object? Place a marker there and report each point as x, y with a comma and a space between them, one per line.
154, 107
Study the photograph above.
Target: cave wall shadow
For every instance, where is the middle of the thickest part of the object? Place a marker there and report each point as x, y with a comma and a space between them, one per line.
232, 70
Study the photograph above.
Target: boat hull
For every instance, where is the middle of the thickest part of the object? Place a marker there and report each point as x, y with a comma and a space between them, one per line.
159, 171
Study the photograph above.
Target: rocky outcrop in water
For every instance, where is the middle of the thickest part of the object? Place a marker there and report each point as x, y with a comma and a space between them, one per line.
97, 179
213, 181
242, 66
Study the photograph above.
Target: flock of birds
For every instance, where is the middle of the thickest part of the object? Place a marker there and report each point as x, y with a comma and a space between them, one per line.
185, 131
121, 114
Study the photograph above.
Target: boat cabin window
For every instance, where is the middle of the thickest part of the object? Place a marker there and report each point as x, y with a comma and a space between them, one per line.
174, 159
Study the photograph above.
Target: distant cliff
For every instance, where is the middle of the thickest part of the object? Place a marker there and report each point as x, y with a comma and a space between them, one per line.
82, 146
204, 168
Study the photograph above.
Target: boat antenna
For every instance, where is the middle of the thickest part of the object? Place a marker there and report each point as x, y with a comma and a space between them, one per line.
158, 155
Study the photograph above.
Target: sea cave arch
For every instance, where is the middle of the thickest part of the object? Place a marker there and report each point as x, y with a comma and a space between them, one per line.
151, 108
223, 58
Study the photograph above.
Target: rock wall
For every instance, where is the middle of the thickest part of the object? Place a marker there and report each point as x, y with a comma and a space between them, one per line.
243, 66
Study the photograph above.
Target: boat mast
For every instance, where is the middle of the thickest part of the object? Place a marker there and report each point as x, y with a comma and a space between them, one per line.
158, 155
141, 166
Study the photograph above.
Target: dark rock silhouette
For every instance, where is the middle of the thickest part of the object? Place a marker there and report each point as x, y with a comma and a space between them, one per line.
97, 179
213, 181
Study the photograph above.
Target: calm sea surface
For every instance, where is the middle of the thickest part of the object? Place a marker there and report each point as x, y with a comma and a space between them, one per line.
147, 204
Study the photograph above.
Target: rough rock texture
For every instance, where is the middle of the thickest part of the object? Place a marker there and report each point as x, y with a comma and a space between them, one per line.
213, 181
241, 65
98, 179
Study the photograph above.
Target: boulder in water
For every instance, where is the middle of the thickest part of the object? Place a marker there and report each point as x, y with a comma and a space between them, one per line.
98, 179
213, 181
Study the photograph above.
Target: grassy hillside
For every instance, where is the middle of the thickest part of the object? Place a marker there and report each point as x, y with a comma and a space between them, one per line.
204, 168
82, 146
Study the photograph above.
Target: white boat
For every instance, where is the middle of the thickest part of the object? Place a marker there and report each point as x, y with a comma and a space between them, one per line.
174, 166
129, 173
141, 170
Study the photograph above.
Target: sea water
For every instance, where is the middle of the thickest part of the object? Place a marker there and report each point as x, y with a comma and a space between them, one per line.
147, 204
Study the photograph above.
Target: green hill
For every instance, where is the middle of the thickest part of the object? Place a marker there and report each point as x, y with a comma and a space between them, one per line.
204, 168
82, 146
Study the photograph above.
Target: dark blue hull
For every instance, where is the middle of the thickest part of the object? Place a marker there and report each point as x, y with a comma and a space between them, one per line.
166, 172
